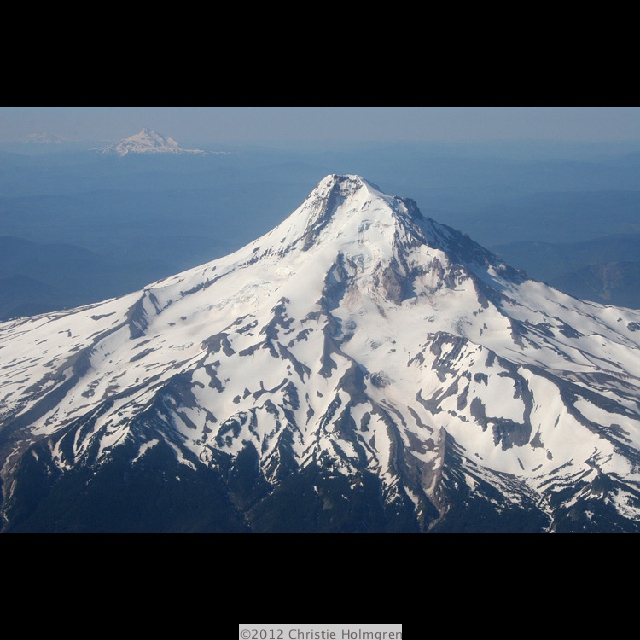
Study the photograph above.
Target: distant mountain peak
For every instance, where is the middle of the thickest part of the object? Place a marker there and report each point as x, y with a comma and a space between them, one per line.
42, 137
147, 141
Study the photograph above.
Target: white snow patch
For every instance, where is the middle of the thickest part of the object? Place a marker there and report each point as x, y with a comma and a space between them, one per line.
144, 448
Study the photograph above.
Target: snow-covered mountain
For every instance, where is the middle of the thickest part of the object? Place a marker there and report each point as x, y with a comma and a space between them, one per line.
358, 368
147, 141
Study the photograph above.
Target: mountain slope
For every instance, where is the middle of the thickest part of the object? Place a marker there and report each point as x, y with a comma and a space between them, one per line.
613, 282
604, 270
358, 368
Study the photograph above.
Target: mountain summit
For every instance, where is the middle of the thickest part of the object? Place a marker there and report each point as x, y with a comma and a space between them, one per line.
147, 141
358, 368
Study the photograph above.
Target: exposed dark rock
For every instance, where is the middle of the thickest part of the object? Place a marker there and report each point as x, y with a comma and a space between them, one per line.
215, 343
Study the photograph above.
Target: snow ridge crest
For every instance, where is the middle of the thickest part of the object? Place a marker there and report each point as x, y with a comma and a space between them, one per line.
339, 201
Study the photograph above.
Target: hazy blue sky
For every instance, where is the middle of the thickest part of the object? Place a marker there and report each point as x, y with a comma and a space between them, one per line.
213, 125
